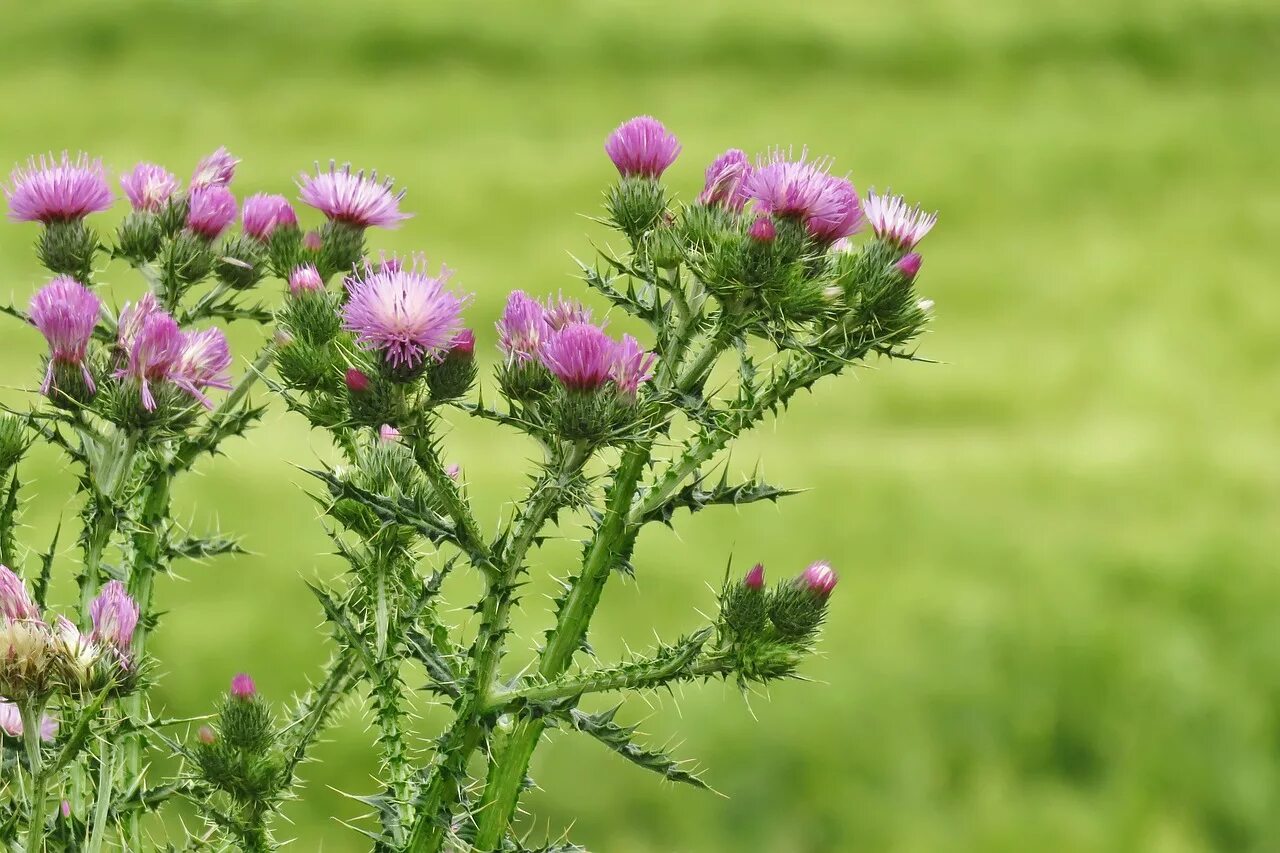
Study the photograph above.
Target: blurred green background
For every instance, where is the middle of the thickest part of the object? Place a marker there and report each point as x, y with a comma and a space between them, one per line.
1058, 621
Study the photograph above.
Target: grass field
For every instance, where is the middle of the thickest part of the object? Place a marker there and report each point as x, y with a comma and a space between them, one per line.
1057, 627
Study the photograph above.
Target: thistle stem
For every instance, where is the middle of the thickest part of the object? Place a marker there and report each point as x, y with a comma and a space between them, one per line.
106, 776
30, 712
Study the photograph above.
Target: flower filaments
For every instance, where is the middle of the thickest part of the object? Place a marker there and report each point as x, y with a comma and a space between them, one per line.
65, 312
152, 351
15, 603
631, 366
203, 363
805, 190
403, 313
580, 355
642, 147
58, 190
26, 647
213, 209
726, 181
149, 187
216, 170
305, 279
523, 328
895, 223
353, 198
262, 214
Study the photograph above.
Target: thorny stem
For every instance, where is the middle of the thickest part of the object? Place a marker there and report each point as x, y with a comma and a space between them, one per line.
608, 681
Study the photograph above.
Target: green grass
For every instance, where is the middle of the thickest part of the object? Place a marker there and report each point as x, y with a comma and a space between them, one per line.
1057, 625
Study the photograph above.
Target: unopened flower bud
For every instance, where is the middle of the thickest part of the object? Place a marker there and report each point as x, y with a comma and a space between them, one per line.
357, 381
207, 736
450, 377
742, 605
65, 808
388, 434
763, 230
755, 577
820, 578
909, 266
242, 687
312, 241
454, 471
14, 441
305, 279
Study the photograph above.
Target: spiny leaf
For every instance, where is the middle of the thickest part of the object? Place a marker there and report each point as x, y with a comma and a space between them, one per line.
619, 739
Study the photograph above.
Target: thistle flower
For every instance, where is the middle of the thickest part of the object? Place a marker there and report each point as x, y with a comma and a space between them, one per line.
819, 578
763, 230
203, 363
909, 265
804, 190
755, 577
463, 343
312, 241
562, 312
207, 736
895, 223
115, 617
357, 381
149, 187
216, 170
523, 328
132, 317
580, 355
405, 314
453, 472
352, 198
242, 687
15, 603
65, 312
213, 208
57, 190
642, 147
26, 657
11, 722
305, 279
726, 179
388, 434
631, 366
262, 214
153, 350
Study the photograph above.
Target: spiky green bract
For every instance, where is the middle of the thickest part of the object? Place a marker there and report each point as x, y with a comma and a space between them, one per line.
184, 261
121, 404
744, 609
796, 612
306, 365
139, 237
384, 401
68, 389
525, 381
15, 438
342, 248
664, 245
242, 759
452, 376
881, 302
240, 262
68, 247
285, 252
635, 205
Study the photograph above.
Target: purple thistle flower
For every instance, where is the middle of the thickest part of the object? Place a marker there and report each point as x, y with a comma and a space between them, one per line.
58, 190
11, 722
149, 187
216, 170
755, 577
642, 147
631, 366
387, 434
262, 214
65, 312
580, 355
242, 687
909, 266
523, 328
726, 179
562, 312
820, 578
895, 223
304, 279
15, 604
115, 617
213, 208
763, 230
804, 190
352, 198
404, 313
153, 349
463, 344
132, 316
203, 363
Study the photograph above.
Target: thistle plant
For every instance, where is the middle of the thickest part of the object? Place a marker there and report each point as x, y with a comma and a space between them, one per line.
755, 290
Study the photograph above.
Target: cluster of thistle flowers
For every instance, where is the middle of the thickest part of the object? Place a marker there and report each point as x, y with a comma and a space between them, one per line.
39, 660
791, 612
554, 355
771, 237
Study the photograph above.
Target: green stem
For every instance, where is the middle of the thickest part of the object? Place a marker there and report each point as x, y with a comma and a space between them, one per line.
30, 712
106, 775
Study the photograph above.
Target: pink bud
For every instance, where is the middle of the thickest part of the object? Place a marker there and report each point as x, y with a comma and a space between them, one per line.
206, 736
312, 241
463, 343
305, 278
755, 577
909, 266
387, 433
763, 230
454, 471
15, 604
242, 687
66, 808
820, 578
357, 382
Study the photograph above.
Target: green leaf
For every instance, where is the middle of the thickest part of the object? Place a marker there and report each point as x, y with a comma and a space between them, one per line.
619, 739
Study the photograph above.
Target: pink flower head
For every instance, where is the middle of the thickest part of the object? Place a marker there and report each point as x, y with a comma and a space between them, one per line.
132, 316
206, 736
357, 381
763, 230
305, 279
755, 577
312, 241
149, 187
454, 471
404, 313
262, 214
726, 179
642, 147
65, 808
11, 722
216, 170
387, 434
820, 578
65, 312
352, 197
203, 363
562, 312
523, 328
580, 355
58, 190
213, 208
895, 223
242, 687
154, 346
15, 604
804, 190
631, 366
463, 343
115, 617
909, 265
